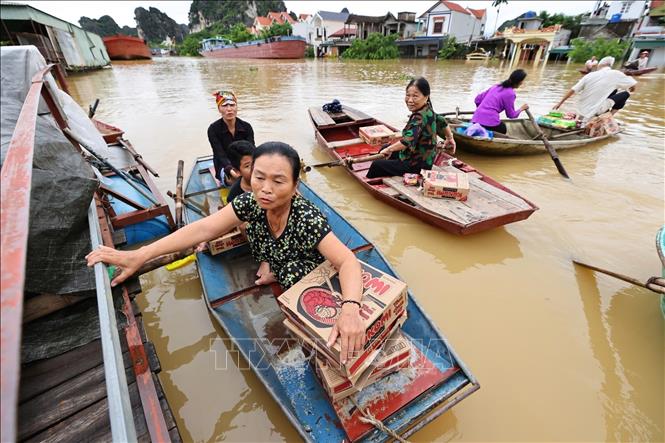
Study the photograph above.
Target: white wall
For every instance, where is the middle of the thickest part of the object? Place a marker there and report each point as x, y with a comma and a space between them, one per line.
561, 38
303, 29
462, 26
635, 9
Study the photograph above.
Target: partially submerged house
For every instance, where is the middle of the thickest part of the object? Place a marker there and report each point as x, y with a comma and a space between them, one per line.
57, 40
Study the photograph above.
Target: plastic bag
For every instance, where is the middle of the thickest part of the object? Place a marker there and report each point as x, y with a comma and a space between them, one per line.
476, 130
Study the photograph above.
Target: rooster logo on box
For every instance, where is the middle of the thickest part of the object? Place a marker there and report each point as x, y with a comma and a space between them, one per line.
320, 306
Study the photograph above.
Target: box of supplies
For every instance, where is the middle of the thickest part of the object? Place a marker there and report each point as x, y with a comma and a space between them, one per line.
377, 134
393, 356
314, 303
441, 184
227, 241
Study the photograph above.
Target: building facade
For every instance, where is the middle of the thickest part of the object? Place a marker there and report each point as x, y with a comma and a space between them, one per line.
447, 18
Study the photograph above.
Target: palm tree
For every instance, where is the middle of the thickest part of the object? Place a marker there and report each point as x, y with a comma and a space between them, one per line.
497, 3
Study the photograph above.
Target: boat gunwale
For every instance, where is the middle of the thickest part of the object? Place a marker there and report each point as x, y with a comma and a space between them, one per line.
437, 408
430, 217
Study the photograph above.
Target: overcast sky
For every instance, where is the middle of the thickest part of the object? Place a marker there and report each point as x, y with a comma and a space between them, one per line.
123, 11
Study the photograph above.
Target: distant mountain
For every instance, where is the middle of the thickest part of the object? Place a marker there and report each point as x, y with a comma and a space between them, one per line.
155, 26
105, 26
205, 13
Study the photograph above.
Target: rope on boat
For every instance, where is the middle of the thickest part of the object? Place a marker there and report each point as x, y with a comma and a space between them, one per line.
367, 417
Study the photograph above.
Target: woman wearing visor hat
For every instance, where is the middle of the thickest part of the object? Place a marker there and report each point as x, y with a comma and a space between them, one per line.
225, 131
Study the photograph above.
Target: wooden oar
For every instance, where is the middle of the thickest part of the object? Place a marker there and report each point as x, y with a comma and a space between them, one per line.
345, 162
656, 284
179, 223
548, 146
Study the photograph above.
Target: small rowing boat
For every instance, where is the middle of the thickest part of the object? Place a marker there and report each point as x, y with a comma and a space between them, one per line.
249, 314
521, 139
660, 247
489, 203
636, 72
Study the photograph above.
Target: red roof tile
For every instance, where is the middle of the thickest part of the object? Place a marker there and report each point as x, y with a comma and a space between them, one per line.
479, 13
351, 30
264, 21
455, 7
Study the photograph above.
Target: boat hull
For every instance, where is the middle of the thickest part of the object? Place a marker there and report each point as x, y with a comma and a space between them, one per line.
636, 72
126, 47
329, 136
279, 49
520, 146
250, 316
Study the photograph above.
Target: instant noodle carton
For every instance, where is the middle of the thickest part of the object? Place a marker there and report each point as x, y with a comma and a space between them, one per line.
393, 356
227, 241
377, 134
441, 184
313, 304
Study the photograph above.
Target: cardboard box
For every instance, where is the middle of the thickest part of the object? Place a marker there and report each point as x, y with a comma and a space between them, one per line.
227, 241
390, 394
377, 134
393, 356
314, 303
441, 184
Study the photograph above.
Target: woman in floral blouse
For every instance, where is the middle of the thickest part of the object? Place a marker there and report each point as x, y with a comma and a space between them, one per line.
286, 233
417, 147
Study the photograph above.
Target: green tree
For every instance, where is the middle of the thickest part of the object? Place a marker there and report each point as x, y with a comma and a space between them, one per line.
239, 33
496, 3
600, 47
276, 29
451, 49
375, 47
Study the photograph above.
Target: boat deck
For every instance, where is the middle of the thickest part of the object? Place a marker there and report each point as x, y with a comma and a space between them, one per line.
63, 398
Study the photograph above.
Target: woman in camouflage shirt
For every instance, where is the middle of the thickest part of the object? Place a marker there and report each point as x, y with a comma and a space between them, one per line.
417, 147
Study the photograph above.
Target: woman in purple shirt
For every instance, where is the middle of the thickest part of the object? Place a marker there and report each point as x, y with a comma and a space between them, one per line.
499, 98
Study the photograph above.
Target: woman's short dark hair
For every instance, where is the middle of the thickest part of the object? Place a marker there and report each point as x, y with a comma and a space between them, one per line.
239, 149
421, 83
516, 77
282, 149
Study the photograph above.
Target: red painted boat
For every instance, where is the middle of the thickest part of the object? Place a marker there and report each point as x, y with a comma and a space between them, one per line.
273, 47
126, 47
489, 204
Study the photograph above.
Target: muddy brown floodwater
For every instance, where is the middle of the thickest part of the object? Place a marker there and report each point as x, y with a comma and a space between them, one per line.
561, 354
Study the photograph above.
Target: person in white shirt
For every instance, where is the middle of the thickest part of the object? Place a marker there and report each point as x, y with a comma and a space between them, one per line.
601, 91
640, 62
591, 64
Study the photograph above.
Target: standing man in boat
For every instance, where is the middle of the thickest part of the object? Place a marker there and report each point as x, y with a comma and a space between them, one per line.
604, 90
497, 99
417, 147
225, 131
286, 233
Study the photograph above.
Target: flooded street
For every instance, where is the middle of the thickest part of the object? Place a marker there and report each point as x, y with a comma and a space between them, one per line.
561, 354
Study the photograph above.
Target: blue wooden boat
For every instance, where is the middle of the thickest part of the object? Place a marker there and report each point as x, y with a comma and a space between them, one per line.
660, 247
250, 315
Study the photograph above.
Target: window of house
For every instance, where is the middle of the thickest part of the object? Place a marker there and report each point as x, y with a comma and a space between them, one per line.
318, 32
438, 25
625, 6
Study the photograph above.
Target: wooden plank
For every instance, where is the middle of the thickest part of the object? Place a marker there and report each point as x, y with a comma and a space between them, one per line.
92, 423
353, 141
64, 400
356, 114
448, 208
44, 304
320, 117
45, 374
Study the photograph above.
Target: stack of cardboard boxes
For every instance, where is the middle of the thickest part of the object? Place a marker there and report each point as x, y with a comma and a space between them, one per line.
312, 306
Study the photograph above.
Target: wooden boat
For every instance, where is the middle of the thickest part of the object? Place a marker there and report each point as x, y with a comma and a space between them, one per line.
489, 203
478, 55
126, 47
521, 139
110, 133
288, 47
250, 316
636, 72
660, 247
